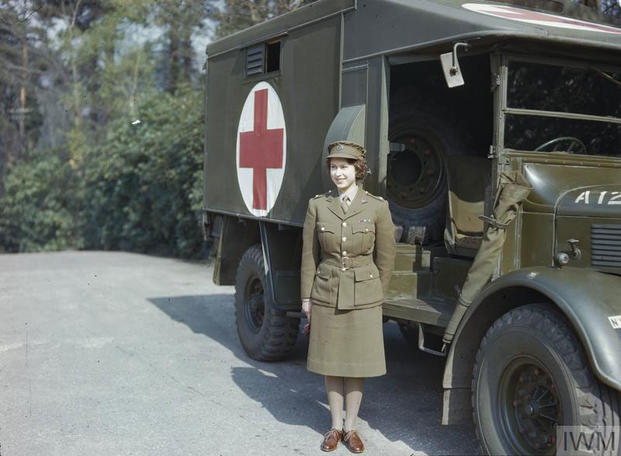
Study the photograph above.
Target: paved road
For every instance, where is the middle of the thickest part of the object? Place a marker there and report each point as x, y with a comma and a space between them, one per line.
109, 353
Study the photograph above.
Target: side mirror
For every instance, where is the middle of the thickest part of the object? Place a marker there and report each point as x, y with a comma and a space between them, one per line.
450, 66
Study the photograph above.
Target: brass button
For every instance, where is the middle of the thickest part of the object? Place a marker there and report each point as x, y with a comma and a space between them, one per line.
322, 228
344, 253
343, 269
344, 223
366, 229
371, 275
344, 238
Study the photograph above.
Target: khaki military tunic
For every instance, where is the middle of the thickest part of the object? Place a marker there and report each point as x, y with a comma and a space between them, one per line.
347, 261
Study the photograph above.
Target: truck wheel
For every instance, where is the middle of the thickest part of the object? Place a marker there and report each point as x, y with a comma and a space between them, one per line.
531, 374
416, 180
265, 333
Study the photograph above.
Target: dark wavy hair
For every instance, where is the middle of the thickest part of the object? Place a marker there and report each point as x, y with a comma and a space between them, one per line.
360, 166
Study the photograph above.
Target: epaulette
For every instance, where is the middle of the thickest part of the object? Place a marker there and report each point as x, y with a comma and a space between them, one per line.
374, 196
322, 194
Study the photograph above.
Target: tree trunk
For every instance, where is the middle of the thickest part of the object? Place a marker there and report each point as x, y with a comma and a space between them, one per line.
22, 101
173, 36
187, 52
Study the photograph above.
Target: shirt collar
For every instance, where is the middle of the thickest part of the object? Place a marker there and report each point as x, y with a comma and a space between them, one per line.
351, 192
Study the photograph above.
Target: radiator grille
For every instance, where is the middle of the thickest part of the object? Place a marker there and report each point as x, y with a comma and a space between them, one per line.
606, 247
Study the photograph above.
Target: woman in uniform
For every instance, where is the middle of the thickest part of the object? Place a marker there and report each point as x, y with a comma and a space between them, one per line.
347, 259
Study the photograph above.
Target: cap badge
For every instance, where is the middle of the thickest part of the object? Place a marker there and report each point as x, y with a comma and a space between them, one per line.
339, 147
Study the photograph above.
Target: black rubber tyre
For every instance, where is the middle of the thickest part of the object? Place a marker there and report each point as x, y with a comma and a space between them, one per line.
265, 333
417, 177
531, 374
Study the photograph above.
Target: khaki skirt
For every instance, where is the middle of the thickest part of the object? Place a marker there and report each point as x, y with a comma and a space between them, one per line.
346, 343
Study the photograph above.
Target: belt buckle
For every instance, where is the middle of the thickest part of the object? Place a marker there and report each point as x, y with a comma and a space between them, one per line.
346, 263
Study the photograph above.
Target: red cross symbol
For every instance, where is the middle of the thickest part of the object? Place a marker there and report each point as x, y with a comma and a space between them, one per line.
260, 149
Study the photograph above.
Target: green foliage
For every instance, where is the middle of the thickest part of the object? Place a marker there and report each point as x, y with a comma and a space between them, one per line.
109, 184
143, 183
235, 15
140, 189
39, 206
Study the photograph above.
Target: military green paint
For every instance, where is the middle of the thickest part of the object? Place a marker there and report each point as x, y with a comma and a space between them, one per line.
236, 237
284, 269
312, 88
308, 115
586, 297
536, 240
551, 180
335, 58
579, 228
434, 312
445, 22
448, 274
354, 84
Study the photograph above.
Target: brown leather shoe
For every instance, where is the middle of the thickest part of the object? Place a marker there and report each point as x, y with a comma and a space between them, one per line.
331, 439
352, 442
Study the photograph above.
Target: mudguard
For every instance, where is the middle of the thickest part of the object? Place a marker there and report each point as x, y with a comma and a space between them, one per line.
586, 297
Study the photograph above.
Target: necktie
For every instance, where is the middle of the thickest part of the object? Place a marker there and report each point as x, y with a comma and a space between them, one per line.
344, 204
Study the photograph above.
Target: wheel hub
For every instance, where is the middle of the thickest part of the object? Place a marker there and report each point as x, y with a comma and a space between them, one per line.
254, 304
415, 174
530, 408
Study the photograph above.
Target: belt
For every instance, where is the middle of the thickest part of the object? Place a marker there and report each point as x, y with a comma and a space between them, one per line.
346, 263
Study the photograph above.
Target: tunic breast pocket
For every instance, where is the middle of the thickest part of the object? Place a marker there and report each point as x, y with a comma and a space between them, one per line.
326, 233
364, 235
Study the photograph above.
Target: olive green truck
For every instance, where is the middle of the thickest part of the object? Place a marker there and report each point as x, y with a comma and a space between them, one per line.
494, 132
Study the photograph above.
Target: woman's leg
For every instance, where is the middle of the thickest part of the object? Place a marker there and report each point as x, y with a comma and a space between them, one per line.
353, 397
335, 388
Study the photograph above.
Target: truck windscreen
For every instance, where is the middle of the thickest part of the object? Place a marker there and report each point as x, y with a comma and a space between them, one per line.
546, 103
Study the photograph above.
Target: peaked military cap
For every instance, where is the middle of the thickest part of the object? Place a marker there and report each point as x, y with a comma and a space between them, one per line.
346, 149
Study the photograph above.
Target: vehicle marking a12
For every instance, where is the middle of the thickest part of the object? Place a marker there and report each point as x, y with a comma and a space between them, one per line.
615, 321
603, 198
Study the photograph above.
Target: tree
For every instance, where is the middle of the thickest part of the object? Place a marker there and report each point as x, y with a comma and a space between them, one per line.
18, 37
239, 14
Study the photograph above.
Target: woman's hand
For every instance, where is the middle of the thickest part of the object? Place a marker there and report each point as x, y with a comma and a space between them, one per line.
306, 308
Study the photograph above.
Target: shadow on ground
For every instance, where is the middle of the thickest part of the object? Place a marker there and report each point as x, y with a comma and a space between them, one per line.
404, 405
